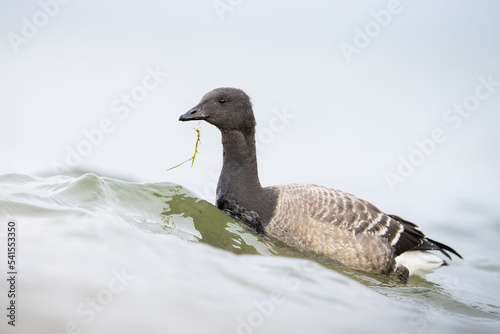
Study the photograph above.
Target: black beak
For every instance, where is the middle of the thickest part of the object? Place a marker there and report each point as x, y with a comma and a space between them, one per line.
194, 114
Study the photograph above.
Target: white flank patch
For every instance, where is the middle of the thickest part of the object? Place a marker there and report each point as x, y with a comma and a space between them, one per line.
419, 262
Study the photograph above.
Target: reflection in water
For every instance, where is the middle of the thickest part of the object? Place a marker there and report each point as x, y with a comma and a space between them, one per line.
195, 219
157, 230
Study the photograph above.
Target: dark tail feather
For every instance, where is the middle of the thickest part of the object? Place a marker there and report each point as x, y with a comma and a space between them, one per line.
443, 248
417, 240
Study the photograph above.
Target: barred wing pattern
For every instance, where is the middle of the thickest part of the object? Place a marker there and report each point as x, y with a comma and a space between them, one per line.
341, 226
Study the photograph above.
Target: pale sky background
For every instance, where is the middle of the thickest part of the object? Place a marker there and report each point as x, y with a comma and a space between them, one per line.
352, 120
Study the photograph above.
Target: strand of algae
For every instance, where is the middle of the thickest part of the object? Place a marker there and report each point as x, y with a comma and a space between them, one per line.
198, 141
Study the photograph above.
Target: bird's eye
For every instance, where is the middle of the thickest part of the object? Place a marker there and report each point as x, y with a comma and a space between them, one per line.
222, 100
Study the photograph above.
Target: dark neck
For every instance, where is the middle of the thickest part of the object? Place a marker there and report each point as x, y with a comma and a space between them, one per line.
239, 190
239, 174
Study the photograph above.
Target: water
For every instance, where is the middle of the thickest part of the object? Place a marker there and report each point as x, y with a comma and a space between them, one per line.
99, 255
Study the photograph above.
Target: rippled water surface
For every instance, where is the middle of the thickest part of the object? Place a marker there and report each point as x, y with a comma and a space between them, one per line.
100, 255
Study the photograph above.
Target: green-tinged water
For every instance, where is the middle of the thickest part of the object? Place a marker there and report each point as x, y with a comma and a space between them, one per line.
102, 255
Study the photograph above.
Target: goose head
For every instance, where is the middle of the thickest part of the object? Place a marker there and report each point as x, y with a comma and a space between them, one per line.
228, 109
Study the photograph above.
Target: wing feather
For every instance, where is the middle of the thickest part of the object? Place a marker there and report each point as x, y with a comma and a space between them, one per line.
346, 211
344, 227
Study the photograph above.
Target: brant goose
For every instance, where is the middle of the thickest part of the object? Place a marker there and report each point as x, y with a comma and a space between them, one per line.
311, 218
